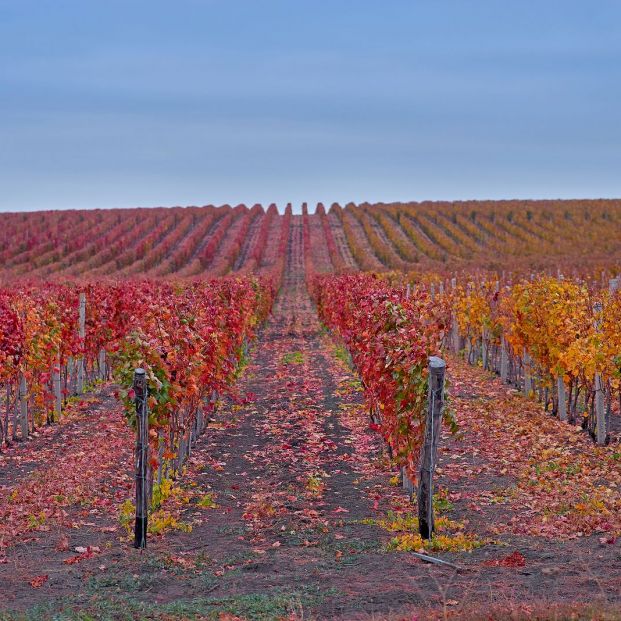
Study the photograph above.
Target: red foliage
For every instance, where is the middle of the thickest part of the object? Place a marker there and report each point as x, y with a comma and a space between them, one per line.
390, 339
515, 559
186, 335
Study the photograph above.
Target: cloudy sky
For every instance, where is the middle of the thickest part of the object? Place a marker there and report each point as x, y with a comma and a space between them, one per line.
118, 103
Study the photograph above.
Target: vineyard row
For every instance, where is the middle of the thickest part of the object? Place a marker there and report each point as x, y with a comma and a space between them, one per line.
521, 236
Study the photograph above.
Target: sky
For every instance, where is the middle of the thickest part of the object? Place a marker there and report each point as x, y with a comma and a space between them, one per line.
123, 103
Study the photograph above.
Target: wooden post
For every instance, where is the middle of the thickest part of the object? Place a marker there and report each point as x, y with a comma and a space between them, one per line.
504, 360
58, 397
161, 447
181, 447
70, 384
103, 370
468, 343
142, 459
429, 451
23, 406
601, 432
562, 399
528, 380
7, 413
484, 355
432, 291
200, 421
408, 486
81, 334
613, 284
15, 412
600, 411
455, 334
468, 350
407, 292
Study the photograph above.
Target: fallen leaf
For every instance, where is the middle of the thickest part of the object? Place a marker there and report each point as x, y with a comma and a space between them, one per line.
38, 581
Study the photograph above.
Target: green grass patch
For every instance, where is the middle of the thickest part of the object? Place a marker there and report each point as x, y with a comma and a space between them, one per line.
341, 353
294, 357
267, 605
207, 501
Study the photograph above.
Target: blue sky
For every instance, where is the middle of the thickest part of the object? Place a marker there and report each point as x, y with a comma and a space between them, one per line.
110, 103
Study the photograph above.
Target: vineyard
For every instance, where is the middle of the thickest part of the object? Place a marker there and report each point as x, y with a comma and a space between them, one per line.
387, 411
577, 237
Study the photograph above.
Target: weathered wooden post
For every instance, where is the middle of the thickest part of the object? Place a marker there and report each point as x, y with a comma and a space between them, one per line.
23, 405
58, 396
142, 458
406, 482
101, 363
429, 450
161, 447
600, 411
15, 414
82, 335
528, 378
504, 360
471, 350
181, 450
454, 326
613, 284
601, 432
455, 334
562, 398
4, 425
69, 376
484, 348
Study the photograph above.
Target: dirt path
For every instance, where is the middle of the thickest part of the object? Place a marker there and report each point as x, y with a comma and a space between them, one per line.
290, 500
48, 441
67, 476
